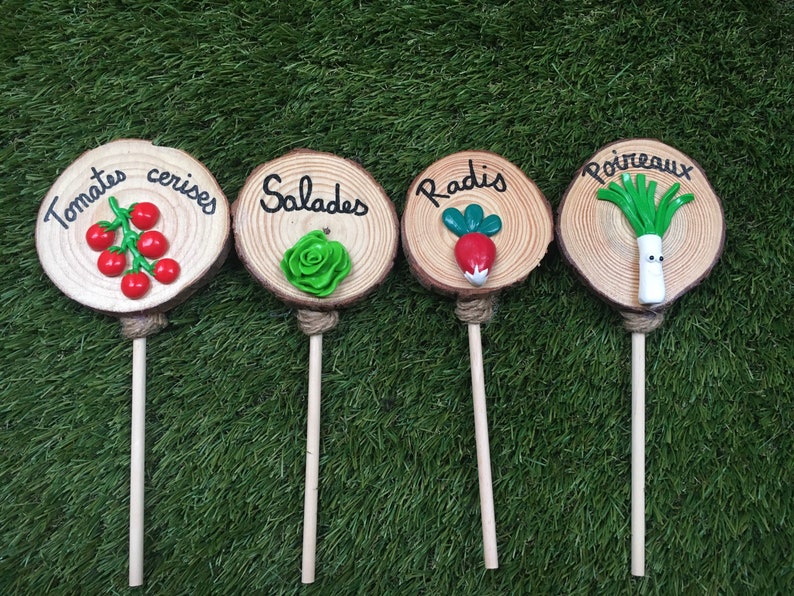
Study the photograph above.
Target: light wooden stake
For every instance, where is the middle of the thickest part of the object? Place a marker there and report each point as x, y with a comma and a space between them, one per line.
137, 451
312, 483
637, 453
487, 512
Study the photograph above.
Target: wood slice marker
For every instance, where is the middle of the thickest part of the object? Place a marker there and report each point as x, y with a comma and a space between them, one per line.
320, 233
641, 225
131, 229
473, 225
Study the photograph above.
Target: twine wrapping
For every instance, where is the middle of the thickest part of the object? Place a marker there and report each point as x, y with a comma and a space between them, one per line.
313, 322
475, 310
642, 322
137, 326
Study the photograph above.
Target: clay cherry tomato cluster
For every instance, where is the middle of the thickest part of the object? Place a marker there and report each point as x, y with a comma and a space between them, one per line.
141, 246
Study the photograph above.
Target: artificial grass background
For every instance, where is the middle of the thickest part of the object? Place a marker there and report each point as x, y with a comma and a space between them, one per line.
397, 86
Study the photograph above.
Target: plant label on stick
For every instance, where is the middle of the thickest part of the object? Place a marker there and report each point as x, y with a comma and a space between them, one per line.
641, 225
320, 233
473, 225
131, 229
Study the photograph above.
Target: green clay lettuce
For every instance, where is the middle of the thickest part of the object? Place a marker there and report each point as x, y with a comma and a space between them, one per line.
316, 265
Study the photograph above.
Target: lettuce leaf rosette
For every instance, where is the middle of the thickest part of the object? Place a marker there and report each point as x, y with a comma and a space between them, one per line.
316, 265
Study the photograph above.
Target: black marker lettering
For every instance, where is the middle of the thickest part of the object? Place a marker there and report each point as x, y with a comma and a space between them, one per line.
427, 187
85, 198
51, 211
610, 167
593, 168
470, 181
304, 200
203, 199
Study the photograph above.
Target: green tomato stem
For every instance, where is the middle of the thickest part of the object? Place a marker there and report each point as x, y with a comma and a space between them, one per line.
130, 237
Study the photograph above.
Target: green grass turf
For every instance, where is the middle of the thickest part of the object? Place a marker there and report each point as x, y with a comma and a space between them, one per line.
398, 85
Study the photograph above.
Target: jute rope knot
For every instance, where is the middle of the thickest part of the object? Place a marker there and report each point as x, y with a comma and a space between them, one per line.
137, 326
313, 322
642, 322
475, 310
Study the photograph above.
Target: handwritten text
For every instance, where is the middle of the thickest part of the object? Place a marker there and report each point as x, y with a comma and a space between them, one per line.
612, 166
304, 201
427, 187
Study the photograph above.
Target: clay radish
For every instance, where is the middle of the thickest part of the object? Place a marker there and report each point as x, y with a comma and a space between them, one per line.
475, 252
638, 204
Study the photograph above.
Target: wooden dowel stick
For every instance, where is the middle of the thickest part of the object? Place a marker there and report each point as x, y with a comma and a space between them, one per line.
638, 454
483, 449
312, 459
137, 450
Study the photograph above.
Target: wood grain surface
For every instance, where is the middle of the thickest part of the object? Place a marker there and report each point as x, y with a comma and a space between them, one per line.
599, 243
304, 190
194, 218
500, 188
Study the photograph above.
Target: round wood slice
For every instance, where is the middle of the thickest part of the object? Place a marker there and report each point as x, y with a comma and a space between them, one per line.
303, 191
598, 241
194, 218
500, 188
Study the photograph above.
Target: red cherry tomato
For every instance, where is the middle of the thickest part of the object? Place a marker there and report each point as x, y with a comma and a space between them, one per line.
99, 238
166, 270
135, 285
144, 215
111, 263
152, 244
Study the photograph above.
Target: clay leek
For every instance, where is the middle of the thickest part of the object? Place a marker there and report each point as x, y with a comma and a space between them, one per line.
649, 222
